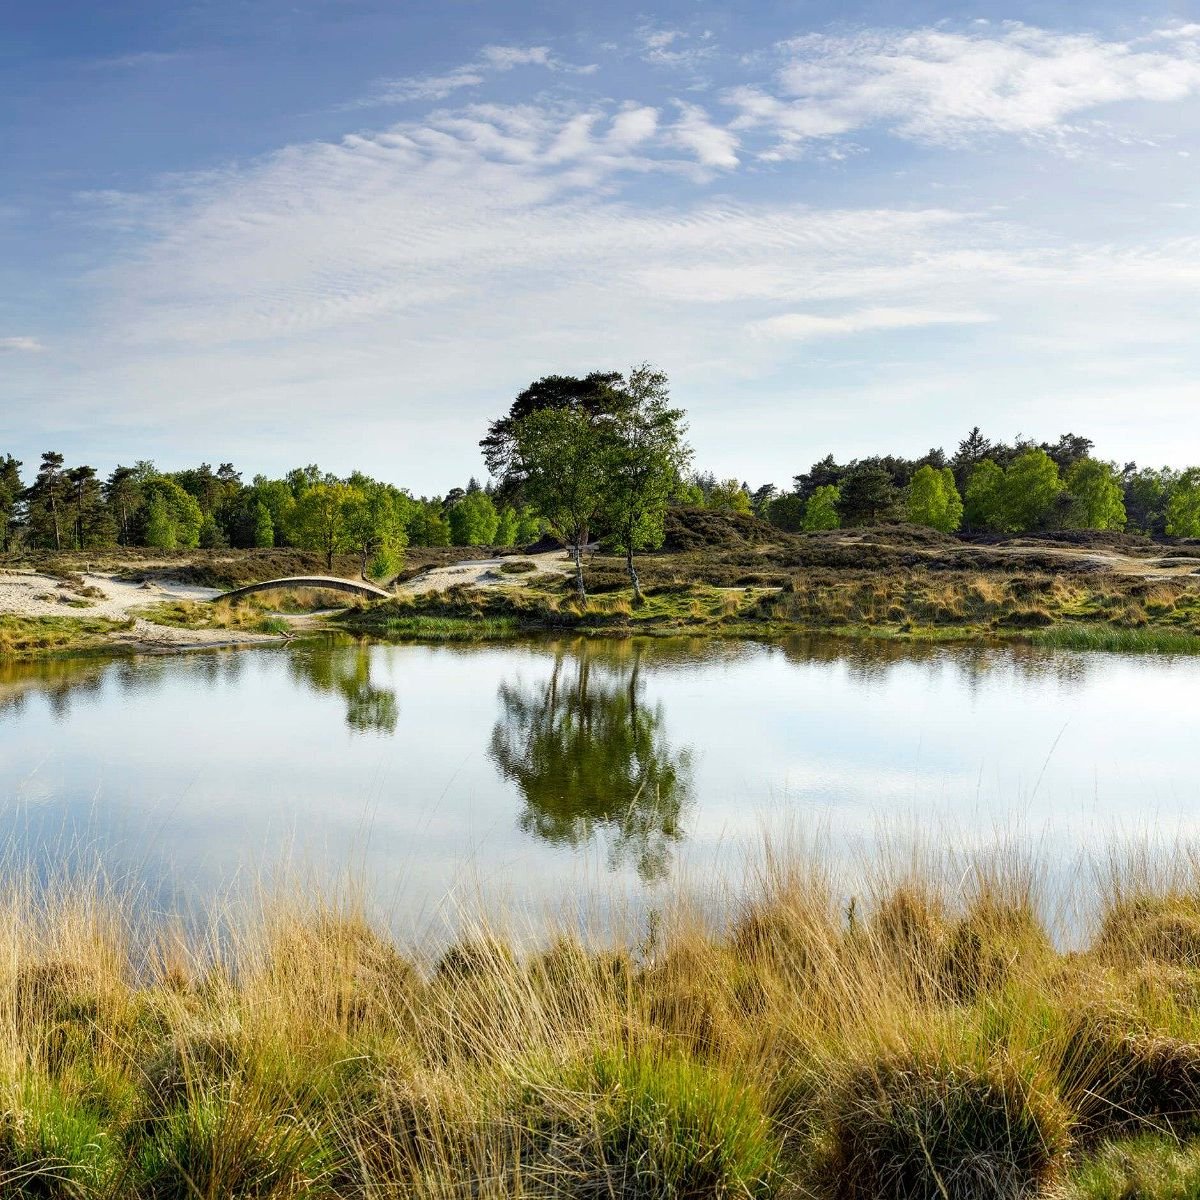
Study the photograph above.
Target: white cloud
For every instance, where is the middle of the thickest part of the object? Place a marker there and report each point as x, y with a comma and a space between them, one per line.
713, 145
490, 60
800, 326
940, 86
20, 345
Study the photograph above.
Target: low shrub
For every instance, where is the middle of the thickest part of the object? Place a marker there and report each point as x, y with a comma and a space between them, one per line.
640, 1126
916, 1127
1120, 1076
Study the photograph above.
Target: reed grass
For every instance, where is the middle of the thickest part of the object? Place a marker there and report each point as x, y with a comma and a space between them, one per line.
917, 1034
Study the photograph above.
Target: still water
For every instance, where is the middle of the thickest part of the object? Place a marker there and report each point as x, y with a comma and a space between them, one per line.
529, 772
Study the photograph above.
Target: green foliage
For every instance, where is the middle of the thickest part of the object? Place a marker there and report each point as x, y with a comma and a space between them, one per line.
506, 527
46, 501
867, 494
319, 520
983, 501
173, 518
1096, 500
212, 536
11, 492
1147, 493
1016, 499
1183, 508
821, 511
474, 520
1031, 488
427, 526
375, 519
787, 512
644, 453
264, 526
727, 495
562, 462
933, 499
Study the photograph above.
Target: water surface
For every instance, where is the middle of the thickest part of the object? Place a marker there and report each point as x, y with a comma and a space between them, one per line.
532, 771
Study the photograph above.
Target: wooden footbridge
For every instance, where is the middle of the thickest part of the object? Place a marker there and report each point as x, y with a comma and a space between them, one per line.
356, 587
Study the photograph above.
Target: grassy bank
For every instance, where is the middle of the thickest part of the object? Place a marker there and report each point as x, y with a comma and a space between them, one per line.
1088, 611
24, 637
924, 1039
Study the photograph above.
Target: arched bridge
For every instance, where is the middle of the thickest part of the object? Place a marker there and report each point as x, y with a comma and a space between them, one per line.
356, 587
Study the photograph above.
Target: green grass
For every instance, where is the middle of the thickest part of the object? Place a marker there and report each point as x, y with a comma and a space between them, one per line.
435, 628
1150, 640
30, 636
1144, 1168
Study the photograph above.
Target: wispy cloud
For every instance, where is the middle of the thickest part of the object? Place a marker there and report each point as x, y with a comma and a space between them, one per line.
20, 345
491, 60
941, 86
797, 326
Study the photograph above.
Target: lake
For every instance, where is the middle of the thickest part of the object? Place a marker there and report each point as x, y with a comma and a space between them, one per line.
528, 772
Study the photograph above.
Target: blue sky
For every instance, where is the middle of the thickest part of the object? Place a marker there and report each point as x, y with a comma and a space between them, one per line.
350, 231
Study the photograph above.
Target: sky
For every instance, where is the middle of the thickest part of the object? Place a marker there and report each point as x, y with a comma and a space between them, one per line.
350, 231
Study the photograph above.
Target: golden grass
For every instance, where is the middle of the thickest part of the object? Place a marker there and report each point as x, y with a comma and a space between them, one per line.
916, 1034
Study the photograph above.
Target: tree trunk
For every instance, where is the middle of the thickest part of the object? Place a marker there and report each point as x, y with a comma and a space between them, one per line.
633, 575
579, 570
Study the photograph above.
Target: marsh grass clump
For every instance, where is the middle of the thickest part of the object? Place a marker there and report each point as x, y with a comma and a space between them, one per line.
1123, 1075
645, 1126
923, 1126
1163, 927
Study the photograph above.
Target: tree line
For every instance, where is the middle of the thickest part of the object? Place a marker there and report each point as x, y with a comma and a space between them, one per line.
990, 487
73, 508
604, 454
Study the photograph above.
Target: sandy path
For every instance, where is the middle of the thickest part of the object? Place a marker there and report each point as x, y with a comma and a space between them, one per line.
29, 594
485, 572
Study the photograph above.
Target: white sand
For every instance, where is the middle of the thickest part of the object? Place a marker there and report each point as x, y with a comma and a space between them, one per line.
29, 594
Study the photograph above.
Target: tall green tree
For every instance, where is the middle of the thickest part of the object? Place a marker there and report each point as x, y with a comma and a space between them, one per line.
561, 462
319, 521
1095, 495
1032, 487
821, 511
172, 517
932, 499
427, 524
123, 494
11, 493
90, 521
264, 526
1183, 507
644, 452
1146, 494
47, 499
473, 519
376, 516
591, 397
868, 494
983, 500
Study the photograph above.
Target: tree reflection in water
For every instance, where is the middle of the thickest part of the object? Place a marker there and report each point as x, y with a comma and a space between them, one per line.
346, 670
590, 756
